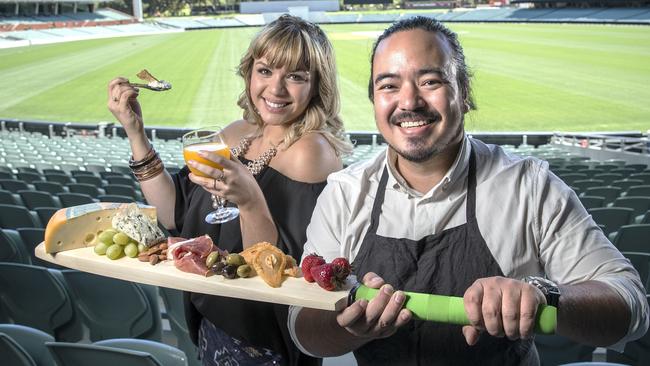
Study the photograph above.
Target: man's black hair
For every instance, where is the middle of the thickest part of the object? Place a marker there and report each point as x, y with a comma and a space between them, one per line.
462, 72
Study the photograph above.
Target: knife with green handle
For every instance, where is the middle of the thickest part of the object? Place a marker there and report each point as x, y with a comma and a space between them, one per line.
450, 309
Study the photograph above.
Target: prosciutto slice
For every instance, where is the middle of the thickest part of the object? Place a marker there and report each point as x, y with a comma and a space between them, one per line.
189, 254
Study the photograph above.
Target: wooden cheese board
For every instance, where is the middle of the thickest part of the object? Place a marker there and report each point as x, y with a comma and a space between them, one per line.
294, 291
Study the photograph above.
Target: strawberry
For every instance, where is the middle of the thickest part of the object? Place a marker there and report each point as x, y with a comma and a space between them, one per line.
310, 261
326, 276
344, 268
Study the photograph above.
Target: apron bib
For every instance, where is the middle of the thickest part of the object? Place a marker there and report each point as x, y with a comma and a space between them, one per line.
446, 263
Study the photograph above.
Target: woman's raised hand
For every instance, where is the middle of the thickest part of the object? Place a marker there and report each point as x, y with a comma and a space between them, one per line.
123, 103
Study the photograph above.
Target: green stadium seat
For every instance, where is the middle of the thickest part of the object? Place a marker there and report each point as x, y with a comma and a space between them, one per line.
626, 172
13, 217
641, 262
90, 354
12, 249
53, 171
639, 204
633, 238
582, 185
83, 188
90, 179
74, 199
645, 177
591, 172
6, 169
112, 308
121, 180
624, 184
640, 191
7, 175
58, 178
13, 354
572, 177
33, 199
592, 201
174, 305
554, 350
13, 185
53, 313
78, 173
607, 167
29, 177
105, 175
608, 178
612, 217
635, 353
25, 169
165, 354
8, 198
610, 193
645, 219
115, 198
45, 213
637, 167
49, 187
32, 341
122, 189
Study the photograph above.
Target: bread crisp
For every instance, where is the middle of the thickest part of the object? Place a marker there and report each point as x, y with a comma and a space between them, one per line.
146, 76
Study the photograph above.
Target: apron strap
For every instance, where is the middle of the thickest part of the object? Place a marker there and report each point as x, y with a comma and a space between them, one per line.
471, 187
379, 200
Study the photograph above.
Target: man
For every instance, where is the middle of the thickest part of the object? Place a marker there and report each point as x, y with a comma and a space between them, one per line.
442, 213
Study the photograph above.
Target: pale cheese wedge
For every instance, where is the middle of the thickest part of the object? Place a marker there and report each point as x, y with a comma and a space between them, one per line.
78, 226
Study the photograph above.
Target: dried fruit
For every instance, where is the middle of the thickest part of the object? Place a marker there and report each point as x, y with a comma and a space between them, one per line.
311, 261
344, 268
326, 276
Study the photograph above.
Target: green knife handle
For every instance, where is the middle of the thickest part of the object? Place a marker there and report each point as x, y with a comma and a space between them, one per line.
450, 309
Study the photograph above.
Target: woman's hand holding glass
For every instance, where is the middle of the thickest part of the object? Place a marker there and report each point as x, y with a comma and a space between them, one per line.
234, 183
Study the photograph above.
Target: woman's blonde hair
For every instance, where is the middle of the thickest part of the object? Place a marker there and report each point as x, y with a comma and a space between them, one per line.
299, 45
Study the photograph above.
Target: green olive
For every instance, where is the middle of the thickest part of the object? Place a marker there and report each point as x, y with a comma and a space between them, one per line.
235, 259
211, 259
244, 270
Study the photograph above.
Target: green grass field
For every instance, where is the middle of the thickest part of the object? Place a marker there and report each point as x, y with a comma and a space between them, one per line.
528, 77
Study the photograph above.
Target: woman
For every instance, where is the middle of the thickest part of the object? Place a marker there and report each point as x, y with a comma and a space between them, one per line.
292, 133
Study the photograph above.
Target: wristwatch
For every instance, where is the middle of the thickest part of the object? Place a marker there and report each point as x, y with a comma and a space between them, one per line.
548, 288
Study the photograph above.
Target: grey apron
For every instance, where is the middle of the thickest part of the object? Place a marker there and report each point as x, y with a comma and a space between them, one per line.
446, 263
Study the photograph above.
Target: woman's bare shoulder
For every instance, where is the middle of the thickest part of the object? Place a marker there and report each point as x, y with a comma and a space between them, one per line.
236, 130
310, 159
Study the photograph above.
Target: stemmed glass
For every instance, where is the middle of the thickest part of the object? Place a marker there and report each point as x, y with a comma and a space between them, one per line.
209, 139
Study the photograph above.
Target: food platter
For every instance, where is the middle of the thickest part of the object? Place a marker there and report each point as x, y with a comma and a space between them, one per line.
293, 291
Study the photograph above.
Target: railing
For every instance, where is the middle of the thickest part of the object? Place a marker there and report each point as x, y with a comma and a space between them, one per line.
623, 142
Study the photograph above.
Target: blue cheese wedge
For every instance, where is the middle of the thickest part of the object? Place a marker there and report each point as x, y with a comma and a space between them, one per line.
138, 226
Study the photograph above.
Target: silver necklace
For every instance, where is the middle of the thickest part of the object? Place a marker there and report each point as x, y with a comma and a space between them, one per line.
257, 165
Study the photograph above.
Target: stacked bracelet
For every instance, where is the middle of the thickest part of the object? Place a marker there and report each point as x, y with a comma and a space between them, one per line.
148, 167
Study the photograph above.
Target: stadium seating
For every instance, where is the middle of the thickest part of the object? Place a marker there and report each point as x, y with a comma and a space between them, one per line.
612, 217
166, 355
13, 354
14, 216
53, 313
31, 340
113, 308
632, 238
90, 354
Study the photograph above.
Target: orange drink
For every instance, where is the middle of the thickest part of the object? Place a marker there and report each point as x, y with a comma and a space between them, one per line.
191, 152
